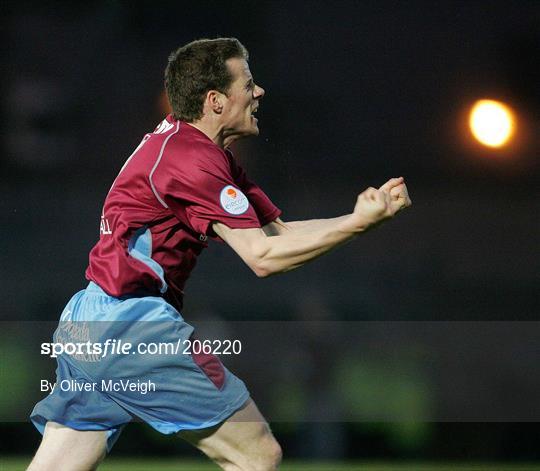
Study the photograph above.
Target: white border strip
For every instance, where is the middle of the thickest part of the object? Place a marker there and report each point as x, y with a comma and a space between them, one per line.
157, 163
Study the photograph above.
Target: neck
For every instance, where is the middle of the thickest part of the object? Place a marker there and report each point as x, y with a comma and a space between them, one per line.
216, 132
212, 131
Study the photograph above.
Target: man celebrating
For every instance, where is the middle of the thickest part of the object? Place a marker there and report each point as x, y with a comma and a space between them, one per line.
180, 187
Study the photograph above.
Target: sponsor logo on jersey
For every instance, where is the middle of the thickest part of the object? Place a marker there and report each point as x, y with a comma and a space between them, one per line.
233, 200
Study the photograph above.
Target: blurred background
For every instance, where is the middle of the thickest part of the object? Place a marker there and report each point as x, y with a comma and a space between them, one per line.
356, 92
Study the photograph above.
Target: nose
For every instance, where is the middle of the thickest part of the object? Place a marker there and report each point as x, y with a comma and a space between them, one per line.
258, 92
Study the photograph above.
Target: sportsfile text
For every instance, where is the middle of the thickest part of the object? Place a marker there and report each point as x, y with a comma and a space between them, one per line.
121, 347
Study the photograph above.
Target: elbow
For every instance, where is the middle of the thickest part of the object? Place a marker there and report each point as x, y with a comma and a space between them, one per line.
261, 273
259, 262
264, 269
263, 263
261, 269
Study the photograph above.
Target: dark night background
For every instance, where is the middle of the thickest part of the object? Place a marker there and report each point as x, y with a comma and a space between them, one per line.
356, 92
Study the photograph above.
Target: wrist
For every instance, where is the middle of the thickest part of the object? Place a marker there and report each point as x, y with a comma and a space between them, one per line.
353, 224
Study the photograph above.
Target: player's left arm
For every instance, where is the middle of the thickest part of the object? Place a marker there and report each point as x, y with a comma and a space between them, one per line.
395, 187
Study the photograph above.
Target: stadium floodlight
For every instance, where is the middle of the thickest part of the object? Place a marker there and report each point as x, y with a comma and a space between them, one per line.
492, 123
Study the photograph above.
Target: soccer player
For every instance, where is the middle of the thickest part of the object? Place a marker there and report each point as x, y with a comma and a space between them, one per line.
180, 187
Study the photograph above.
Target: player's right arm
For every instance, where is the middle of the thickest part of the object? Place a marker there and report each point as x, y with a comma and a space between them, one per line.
290, 249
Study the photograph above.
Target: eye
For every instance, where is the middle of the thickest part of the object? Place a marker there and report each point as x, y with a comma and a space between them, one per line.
250, 85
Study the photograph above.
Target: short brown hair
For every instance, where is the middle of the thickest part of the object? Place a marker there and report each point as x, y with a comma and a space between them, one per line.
196, 68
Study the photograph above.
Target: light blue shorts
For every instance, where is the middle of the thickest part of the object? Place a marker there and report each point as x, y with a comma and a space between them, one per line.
103, 390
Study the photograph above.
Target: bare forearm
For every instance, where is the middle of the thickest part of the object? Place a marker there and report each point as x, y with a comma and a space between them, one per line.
300, 242
308, 226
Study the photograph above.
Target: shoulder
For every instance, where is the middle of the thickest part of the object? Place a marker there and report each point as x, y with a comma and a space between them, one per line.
190, 155
190, 148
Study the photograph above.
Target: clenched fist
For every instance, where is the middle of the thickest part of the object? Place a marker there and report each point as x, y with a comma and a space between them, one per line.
399, 196
375, 205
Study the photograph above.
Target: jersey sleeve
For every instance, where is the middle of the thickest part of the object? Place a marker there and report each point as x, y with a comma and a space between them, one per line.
265, 209
201, 190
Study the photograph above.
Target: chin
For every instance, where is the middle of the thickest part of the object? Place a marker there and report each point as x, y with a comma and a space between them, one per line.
251, 131
240, 133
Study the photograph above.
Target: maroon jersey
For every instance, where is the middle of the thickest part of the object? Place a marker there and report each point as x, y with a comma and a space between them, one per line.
159, 212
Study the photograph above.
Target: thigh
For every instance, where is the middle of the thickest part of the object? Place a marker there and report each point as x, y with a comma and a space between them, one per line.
243, 441
68, 449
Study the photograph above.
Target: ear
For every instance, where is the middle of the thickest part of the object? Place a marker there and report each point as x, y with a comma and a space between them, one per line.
215, 101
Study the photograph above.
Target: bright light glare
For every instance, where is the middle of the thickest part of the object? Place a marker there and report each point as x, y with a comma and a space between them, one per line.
491, 122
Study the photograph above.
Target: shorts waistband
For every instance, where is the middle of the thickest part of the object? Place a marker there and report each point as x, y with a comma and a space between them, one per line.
94, 288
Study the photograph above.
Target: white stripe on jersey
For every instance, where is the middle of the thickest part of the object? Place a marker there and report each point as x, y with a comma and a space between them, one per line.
157, 163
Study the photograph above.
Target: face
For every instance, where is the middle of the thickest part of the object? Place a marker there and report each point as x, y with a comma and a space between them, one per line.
242, 101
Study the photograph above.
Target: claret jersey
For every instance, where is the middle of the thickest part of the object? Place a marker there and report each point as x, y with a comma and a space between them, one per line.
159, 212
